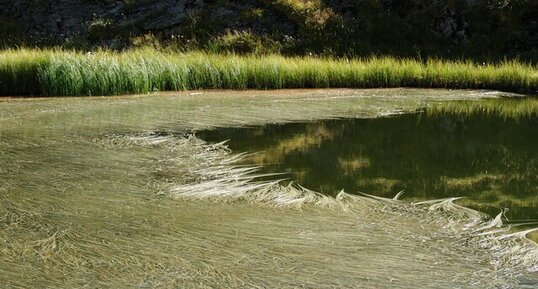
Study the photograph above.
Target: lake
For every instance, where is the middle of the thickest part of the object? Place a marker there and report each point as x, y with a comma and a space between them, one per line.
140, 191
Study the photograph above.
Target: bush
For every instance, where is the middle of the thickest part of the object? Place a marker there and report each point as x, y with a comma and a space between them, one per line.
243, 42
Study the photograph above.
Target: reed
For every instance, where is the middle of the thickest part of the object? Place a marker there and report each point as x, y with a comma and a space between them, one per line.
20, 70
66, 73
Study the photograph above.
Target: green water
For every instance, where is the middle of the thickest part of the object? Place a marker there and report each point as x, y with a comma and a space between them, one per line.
117, 193
491, 161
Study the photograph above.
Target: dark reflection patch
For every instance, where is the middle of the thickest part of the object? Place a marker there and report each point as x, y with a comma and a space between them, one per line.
491, 161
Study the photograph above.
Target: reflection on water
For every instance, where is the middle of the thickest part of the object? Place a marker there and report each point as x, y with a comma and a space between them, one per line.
491, 161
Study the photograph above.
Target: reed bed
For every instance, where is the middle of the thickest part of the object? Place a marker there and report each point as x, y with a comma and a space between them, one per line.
71, 73
20, 70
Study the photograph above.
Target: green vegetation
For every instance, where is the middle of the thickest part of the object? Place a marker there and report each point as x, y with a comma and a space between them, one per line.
481, 30
20, 70
64, 73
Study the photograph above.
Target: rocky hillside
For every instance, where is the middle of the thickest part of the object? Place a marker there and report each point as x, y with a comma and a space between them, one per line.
448, 28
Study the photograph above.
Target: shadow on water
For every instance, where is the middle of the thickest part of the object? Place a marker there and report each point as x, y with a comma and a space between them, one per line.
491, 161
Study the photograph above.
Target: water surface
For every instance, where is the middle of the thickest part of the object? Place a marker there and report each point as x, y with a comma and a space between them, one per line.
117, 192
489, 160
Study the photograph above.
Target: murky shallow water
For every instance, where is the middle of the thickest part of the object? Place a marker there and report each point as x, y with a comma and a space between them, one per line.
114, 192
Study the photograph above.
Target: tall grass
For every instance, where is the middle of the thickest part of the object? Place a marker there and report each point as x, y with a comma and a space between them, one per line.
20, 71
59, 73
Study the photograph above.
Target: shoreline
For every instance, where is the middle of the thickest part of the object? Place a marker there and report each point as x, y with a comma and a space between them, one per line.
289, 92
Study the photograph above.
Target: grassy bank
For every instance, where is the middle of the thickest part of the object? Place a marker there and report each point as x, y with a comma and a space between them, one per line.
60, 73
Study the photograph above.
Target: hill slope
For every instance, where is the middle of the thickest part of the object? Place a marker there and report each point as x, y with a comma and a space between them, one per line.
448, 28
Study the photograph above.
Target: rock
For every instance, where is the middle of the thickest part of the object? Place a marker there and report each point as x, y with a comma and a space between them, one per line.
68, 18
